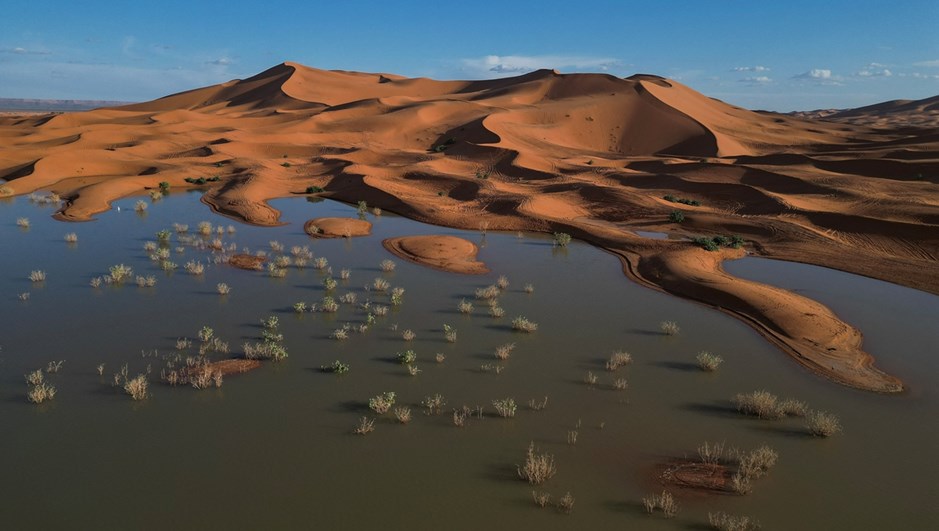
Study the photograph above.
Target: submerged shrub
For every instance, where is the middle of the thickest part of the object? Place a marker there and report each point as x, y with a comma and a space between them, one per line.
506, 407
708, 362
365, 426
664, 502
618, 359
561, 239
669, 328
41, 392
137, 387
722, 521
524, 325
382, 403
822, 423
538, 467
762, 404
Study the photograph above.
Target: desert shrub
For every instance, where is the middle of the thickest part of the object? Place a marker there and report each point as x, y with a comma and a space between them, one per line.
402, 414
382, 403
762, 404
408, 335
722, 521
617, 360
336, 367
387, 265
711, 453
22, 223
562, 239
407, 357
676, 216
793, 408
265, 351
708, 362
502, 282
504, 351
71, 237
506, 407
524, 325
223, 288
137, 387
434, 403
669, 328
566, 503
465, 306
822, 423
41, 392
538, 467
119, 273
37, 276
664, 502
488, 293
365, 426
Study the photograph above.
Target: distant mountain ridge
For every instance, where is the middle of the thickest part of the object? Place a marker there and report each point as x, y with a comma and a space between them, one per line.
894, 113
47, 105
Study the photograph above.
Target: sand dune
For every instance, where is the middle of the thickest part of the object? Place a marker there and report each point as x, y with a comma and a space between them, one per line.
588, 154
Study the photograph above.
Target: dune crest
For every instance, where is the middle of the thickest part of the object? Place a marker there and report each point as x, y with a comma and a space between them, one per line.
590, 154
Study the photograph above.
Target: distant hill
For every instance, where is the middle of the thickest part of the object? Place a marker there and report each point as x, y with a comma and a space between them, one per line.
892, 114
40, 105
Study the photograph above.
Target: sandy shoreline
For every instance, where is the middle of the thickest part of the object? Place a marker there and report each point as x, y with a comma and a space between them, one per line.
592, 155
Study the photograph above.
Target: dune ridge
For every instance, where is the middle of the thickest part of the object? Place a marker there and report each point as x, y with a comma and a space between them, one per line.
589, 154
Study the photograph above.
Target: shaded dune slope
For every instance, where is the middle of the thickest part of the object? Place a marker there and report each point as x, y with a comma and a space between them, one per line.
588, 154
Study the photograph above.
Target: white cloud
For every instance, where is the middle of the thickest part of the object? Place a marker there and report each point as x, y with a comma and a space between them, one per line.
820, 76
816, 73
502, 65
19, 50
872, 71
221, 61
756, 80
934, 63
918, 75
757, 68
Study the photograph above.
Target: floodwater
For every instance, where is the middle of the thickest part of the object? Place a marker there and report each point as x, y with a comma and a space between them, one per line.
274, 448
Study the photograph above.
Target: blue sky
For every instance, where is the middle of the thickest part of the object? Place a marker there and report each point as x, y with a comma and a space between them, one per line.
781, 56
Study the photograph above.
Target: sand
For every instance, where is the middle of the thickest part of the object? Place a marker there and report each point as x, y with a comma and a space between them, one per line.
247, 261
588, 154
337, 227
447, 253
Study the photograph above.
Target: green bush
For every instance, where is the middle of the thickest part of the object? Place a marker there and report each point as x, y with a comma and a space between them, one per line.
313, 189
676, 216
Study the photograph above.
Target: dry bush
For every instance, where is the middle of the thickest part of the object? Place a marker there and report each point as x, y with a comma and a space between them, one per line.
366, 426
524, 325
618, 359
402, 414
762, 404
538, 467
137, 387
669, 328
504, 351
722, 521
506, 407
664, 502
708, 362
822, 423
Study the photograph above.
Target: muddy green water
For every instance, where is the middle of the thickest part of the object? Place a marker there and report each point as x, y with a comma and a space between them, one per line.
273, 449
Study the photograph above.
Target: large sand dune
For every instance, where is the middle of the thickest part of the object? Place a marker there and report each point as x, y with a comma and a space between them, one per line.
588, 154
